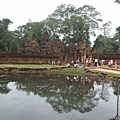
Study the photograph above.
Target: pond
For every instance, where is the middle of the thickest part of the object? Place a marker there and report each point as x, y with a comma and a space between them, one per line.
57, 97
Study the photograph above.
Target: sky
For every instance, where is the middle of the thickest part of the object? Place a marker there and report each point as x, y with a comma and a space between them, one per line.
20, 11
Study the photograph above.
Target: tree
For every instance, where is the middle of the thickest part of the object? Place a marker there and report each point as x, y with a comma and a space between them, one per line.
117, 1
91, 17
106, 29
116, 39
99, 45
75, 30
5, 23
117, 34
67, 21
5, 35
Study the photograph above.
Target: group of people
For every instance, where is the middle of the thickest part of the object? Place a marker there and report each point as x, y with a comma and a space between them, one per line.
111, 63
73, 64
93, 63
100, 63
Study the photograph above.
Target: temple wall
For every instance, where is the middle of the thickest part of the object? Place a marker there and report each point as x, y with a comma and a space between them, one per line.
27, 59
109, 56
23, 58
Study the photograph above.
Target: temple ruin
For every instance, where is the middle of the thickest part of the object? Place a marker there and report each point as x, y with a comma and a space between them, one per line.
47, 51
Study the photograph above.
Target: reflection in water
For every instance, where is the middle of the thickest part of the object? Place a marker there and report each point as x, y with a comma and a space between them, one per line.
117, 91
117, 117
64, 93
3, 86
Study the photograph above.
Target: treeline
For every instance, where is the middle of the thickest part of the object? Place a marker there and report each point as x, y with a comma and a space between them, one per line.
71, 24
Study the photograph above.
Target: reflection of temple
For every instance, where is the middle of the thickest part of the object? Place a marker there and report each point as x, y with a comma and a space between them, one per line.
49, 50
62, 94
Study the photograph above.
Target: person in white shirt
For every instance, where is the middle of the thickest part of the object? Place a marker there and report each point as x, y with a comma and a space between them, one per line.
96, 62
111, 63
68, 65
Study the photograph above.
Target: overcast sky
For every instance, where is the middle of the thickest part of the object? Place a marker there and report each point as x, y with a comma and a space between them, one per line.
20, 11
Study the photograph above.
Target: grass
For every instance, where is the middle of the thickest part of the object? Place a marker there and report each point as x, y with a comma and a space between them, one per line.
66, 71
70, 71
29, 66
108, 73
58, 68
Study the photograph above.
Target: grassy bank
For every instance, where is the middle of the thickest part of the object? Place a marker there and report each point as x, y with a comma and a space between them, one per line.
56, 69
29, 65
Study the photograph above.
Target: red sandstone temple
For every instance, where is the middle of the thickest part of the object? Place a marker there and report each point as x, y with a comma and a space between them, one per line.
48, 51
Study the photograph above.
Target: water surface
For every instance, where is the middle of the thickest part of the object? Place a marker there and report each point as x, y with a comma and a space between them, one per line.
33, 97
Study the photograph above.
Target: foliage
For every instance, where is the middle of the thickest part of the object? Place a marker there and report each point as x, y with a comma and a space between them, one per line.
117, 36
72, 24
106, 29
75, 24
75, 30
68, 22
104, 42
5, 34
101, 47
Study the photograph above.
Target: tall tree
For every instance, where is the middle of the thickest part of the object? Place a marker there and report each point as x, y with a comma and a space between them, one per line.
91, 17
118, 34
5, 23
5, 35
99, 45
75, 30
106, 29
67, 17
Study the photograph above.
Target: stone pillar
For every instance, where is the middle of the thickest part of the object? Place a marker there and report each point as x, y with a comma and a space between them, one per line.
79, 58
82, 58
66, 58
60, 57
75, 55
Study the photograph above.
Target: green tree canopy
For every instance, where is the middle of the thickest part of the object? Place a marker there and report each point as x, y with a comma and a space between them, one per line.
75, 23
5, 35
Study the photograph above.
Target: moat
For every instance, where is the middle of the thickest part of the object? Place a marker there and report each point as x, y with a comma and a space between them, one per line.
56, 97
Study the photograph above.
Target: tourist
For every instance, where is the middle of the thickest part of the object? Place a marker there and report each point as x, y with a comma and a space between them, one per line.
99, 63
115, 63
109, 64
96, 62
76, 65
72, 63
68, 65
53, 62
87, 61
77, 61
58, 62
83, 65
102, 62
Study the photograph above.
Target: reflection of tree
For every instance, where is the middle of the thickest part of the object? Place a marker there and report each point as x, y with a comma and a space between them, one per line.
104, 92
102, 89
117, 92
63, 93
3, 86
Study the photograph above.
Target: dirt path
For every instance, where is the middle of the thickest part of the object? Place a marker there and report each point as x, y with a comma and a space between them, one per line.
116, 71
